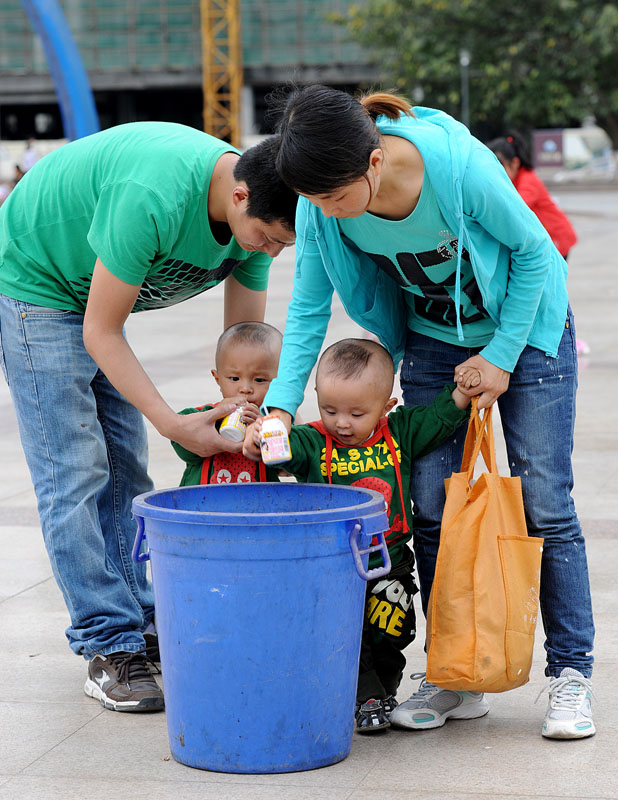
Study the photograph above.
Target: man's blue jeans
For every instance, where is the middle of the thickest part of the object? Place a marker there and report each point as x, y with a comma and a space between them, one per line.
538, 416
87, 452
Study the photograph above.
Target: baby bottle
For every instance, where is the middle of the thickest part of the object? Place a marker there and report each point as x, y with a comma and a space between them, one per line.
233, 427
274, 441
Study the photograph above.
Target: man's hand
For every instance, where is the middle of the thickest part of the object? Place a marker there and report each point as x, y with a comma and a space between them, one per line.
197, 432
494, 381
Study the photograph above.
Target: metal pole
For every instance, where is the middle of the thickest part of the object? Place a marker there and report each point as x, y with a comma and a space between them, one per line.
464, 63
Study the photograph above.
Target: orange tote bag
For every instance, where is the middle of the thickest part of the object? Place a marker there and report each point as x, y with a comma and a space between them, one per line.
485, 596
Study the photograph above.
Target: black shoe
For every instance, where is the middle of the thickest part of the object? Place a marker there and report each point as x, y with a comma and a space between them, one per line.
152, 643
389, 703
371, 716
123, 682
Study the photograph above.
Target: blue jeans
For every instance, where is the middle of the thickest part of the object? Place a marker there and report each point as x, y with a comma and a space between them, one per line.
538, 416
87, 451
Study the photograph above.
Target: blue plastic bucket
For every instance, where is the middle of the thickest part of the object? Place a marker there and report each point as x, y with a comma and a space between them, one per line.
259, 611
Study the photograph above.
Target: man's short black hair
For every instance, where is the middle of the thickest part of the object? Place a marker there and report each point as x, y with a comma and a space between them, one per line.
269, 198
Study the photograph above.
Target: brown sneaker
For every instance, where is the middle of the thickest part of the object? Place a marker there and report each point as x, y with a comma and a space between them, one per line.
123, 682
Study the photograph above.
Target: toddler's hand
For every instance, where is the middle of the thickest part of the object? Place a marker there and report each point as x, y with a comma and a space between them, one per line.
468, 377
251, 445
250, 412
494, 380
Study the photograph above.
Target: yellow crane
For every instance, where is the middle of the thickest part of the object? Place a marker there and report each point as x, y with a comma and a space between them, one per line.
222, 68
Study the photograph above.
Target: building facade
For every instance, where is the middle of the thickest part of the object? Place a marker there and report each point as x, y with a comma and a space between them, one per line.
143, 59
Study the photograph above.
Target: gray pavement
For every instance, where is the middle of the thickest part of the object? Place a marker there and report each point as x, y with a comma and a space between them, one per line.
58, 744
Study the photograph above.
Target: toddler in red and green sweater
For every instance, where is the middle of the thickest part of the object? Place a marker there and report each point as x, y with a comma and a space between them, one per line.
357, 442
246, 361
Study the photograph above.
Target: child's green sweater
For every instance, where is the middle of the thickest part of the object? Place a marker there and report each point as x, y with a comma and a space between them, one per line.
405, 434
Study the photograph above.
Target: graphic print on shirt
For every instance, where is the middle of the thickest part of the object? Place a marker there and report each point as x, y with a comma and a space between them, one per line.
359, 460
433, 273
177, 282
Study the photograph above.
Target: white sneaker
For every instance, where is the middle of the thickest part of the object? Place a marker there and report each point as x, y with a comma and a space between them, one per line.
430, 706
569, 715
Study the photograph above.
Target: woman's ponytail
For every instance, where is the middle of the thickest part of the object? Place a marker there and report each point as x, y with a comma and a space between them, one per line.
385, 104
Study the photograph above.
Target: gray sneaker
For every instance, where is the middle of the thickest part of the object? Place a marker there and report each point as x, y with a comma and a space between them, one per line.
569, 715
123, 682
430, 707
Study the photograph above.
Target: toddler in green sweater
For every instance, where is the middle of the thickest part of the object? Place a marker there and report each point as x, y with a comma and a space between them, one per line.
357, 442
246, 361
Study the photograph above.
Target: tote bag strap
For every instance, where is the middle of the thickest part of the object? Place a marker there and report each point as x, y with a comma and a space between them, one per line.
479, 439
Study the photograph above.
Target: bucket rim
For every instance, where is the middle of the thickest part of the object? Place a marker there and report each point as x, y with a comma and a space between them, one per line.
374, 504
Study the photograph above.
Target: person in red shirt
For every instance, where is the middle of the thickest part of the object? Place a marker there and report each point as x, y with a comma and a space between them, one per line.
512, 152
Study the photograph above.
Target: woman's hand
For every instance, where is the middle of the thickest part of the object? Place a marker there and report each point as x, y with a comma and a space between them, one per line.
494, 381
284, 416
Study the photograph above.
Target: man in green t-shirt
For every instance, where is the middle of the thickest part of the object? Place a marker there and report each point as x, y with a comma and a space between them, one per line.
136, 217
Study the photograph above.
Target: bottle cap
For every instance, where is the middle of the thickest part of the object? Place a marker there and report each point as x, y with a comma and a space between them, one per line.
233, 434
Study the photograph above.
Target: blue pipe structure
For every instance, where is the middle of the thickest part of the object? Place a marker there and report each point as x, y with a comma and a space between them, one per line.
75, 98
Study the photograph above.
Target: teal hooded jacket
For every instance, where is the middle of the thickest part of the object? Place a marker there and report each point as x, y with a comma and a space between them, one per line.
519, 272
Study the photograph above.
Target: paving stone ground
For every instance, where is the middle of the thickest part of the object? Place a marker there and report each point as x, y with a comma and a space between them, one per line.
57, 744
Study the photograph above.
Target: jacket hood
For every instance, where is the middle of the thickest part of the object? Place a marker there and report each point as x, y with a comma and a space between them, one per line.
443, 142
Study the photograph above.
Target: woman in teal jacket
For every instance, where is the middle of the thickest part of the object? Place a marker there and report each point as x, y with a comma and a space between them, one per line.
416, 226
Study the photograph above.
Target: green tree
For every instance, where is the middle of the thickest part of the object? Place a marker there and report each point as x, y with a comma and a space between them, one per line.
536, 63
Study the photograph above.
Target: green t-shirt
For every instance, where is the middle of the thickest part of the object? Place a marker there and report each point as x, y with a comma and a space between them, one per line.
135, 196
420, 254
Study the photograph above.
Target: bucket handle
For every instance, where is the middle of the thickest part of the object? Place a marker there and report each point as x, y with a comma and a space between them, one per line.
140, 536
377, 572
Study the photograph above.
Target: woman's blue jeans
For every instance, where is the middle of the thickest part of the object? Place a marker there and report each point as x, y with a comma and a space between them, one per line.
538, 415
87, 452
